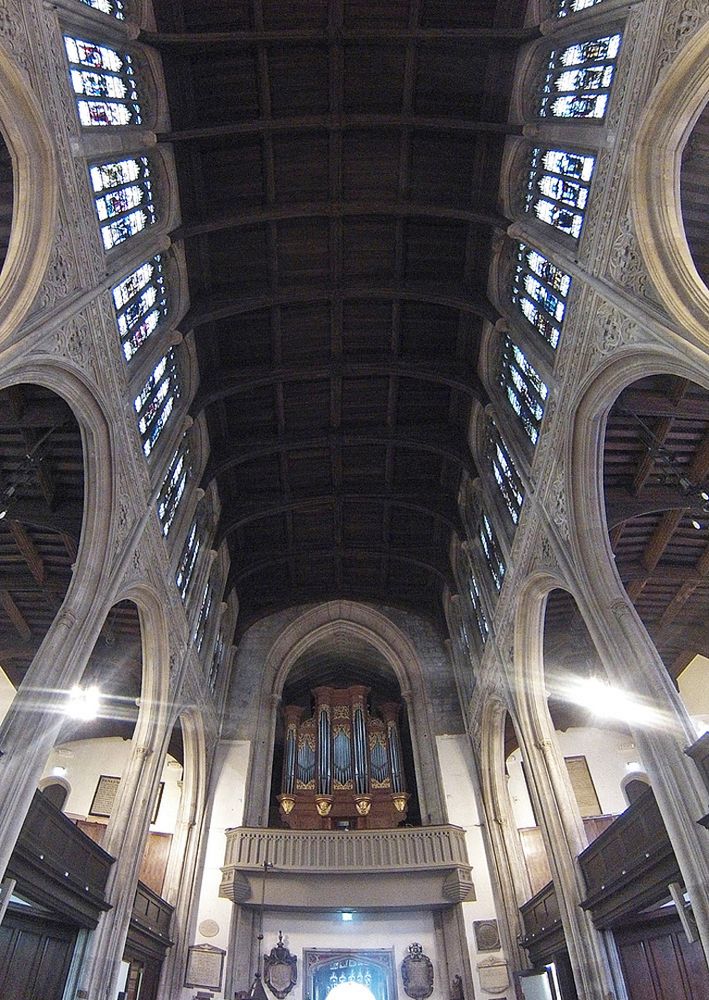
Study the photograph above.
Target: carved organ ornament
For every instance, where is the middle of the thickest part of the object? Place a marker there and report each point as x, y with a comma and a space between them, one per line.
343, 766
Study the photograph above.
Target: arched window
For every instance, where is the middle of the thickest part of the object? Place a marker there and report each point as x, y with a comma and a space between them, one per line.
558, 186
476, 603
505, 473
540, 290
526, 391
116, 8
57, 793
173, 487
188, 559
566, 7
203, 618
104, 84
579, 79
123, 195
491, 548
216, 663
140, 304
156, 401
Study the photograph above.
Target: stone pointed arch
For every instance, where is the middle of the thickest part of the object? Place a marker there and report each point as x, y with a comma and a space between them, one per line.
35, 178
363, 621
670, 114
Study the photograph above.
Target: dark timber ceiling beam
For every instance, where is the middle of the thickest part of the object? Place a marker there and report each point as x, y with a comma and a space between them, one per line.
341, 209
436, 505
335, 35
640, 403
438, 441
340, 122
455, 374
213, 308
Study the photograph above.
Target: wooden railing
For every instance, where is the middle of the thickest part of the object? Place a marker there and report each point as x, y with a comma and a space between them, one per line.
541, 919
150, 921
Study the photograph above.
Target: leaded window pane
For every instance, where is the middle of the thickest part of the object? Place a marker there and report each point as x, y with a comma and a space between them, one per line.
558, 187
539, 290
203, 618
579, 79
140, 304
188, 560
566, 7
104, 84
173, 488
505, 473
476, 603
156, 400
493, 556
526, 391
123, 196
116, 8
216, 663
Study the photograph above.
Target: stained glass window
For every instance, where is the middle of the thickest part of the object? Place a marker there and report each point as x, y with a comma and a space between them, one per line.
203, 619
491, 548
140, 304
505, 473
104, 84
173, 488
540, 290
156, 400
188, 560
557, 189
216, 663
571, 6
476, 603
579, 79
525, 389
116, 8
123, 195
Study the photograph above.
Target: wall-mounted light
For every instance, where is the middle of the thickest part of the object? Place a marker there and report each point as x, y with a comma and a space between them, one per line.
83, 703
58, 771
346, 916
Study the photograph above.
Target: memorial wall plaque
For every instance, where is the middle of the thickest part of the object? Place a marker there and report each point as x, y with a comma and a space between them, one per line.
205, 965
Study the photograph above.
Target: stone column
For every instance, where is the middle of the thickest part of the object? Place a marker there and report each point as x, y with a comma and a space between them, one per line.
453, 947
564, 839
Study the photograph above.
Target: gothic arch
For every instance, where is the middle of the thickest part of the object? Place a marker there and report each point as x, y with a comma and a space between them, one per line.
672, 110
34, 216
363, 622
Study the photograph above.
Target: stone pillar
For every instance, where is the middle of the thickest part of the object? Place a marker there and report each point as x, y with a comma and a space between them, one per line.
564, 839
243, 950
453, 947
633, 664
30, 729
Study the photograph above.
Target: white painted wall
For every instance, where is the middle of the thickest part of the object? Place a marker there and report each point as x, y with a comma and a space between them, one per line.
694, 690
231, 763
456, 764
7, 693
86, 760
607, 753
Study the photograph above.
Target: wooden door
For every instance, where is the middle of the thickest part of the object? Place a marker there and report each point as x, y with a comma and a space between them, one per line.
659, 963
35, 955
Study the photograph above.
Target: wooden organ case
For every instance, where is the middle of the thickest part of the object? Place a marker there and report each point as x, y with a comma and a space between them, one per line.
342, 766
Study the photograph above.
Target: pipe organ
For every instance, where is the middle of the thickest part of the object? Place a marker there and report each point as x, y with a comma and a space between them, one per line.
342, 765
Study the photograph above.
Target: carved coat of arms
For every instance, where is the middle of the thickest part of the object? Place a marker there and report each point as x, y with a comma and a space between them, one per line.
280, 970
417, 973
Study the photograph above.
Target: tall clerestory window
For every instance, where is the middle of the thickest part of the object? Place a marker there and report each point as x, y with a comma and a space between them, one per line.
491, 548
173, 488
203, 618
215, 665
540, 290
524, 388
140, 305
579, 79
116, 8
156, 401
505, 473
476, 603
565, 7
188, 559
123, 195
558, 187
104, 84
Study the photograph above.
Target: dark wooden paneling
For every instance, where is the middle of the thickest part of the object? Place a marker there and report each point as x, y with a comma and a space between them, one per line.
659, 963
35, 955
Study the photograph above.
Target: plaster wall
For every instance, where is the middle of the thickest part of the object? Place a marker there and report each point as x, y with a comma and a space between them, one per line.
7, 693
394, 929
607, 754
86, 760
694, 690
231, 763
455, 756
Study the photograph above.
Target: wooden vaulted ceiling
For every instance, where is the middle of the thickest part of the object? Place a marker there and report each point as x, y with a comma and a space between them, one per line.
339, 167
